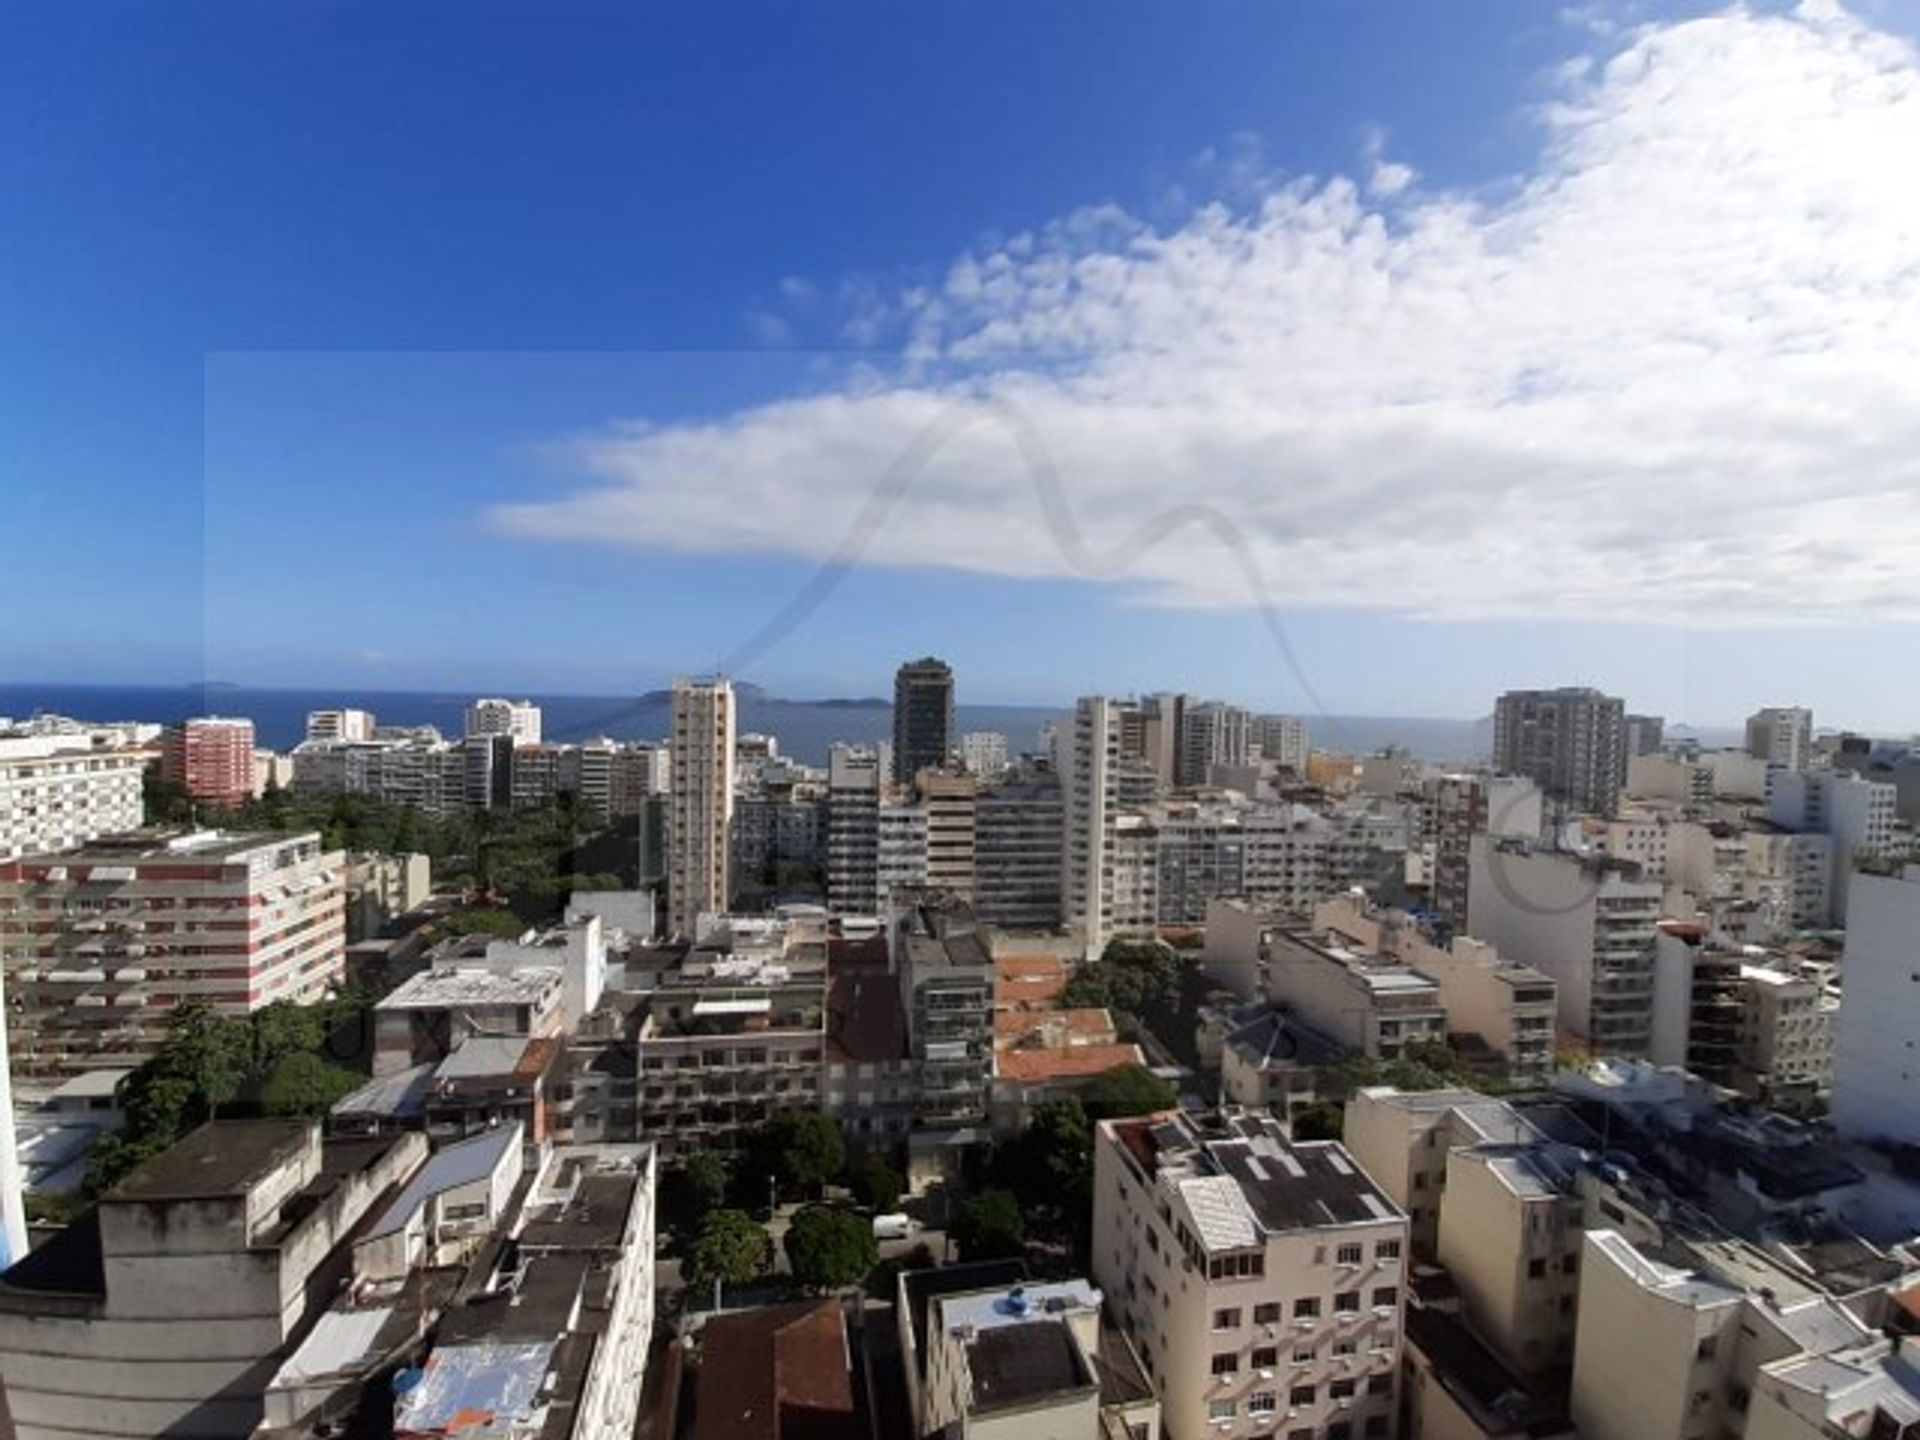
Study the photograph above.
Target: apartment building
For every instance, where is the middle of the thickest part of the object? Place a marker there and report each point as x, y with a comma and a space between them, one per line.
1458, 807
101, 944
57, 792
984, 753
1213, 736
1571, 742
211, 758
324, 725
1369, 1004
1699, 1002
1798, 869
1261, 1281
950, 800
162, 1311
1786, 1033
1818, 1397
1282, 740
1587, 921
1645, 735
900, 852
1781, 735
923, 734
1502, 1010
1856, 814
1876, 1083
854, 785
1019, 837
1103, 776
517, 719
946, 977
699, 803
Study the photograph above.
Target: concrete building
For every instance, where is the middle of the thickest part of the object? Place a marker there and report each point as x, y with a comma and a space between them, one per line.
517, 719
1786, 1034
1876, 1078
1100, 780
382, 888
1261, 1281
1857, 815
1372, 1005
1586, 921
1674, 1351
1798, 869
854, 785
950, 801
211, 758
1282, 740
165, 1310
57, 792
1645, 735
1872, 1389
984, 753
547, 1341
101, 944
1781, 735
700, 803
1699, 1002
946, 977
1213, 736
1571, 742
1274, 1062
1455, 1388
1457, 808
923, 734
325, 725
1019, 838
777, 1371
433, 1014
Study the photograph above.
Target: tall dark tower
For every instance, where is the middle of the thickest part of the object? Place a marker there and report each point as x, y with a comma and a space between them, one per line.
922, 717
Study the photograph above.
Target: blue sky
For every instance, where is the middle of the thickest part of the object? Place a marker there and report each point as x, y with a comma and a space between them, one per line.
330, 330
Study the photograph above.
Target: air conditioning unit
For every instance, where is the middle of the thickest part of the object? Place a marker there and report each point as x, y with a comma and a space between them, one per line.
1345, 1402
1305, 1322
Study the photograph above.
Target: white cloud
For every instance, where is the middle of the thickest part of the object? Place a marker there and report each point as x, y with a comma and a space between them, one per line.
1673, 374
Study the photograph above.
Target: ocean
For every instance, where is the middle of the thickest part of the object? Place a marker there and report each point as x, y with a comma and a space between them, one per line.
805, 728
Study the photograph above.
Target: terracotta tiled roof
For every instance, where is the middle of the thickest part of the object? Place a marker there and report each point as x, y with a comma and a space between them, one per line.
1052, 1027
777, 1373
1075, 1062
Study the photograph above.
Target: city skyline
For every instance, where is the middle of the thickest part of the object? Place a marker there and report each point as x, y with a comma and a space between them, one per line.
1439, 502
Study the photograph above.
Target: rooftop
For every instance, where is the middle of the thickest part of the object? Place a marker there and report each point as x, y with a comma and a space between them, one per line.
464, 985
461, 1163
160, 845
782, 1372
1019, 1364
1069, 1062
222, 1158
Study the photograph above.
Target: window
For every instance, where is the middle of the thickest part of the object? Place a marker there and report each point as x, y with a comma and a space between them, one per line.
1349, 1254
1386, 1295
1221, 1409
1340, 1430
1226, 1363
1704, 1350
1262, 1402
1570, 1265
1301, 1395
1387, 1250
1303, 1354
1376, 1425
1346, 1302
1345, 1347
1341, 1389
1265, 1357
1536, 1268
1380, 1385
1306, 1307
1228, 1319
1267, 1313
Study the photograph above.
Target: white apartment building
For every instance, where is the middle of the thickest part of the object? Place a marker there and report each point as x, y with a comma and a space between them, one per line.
899, 854
1799, 869
101, 944
1014, 1362
519, 719
1818, 1397
1282, 740
1781, 735
855, 780
1876, 1076
340, 725
1786, 1034
1856, 814
1458, 807
950, 802
1363, 1001
56, 792
699, 803
1262, 1282
1100, 779
1586, 921
983, 752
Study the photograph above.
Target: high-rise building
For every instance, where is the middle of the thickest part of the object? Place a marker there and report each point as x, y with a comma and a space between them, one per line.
519, 719
1211, 734
1459, 807
13, 1213
102, 944
56, 792
951, 803
1587, 921
983, 752
923, 734
1781, 735
1855, 814
211, 758
700, 802
1283, 740
853, 830
1019, 832
1645, 735
1571, 742
1876, 1080
1263, 1280
1101, 779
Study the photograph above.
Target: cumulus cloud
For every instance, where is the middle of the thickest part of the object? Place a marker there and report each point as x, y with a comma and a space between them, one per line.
1672, 374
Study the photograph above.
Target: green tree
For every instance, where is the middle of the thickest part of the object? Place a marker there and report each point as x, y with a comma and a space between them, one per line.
1127, 1090
829, 1248
283, 1029
494, 920
211, 1052
801, 1150
990, 1225
730, 1248
875, 1184
304, 1084
693, 1189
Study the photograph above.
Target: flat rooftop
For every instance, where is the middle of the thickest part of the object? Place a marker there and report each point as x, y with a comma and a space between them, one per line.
137, 847
220, 1159
463, 985
1018, 1364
